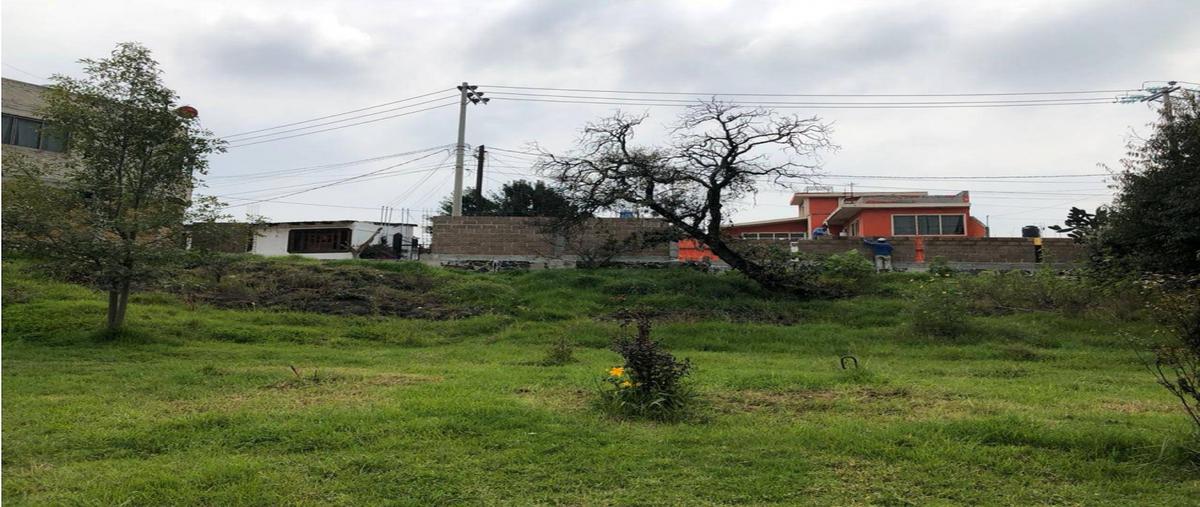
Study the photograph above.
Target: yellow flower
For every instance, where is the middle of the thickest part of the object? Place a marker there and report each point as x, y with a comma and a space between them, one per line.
626, 384
617, 371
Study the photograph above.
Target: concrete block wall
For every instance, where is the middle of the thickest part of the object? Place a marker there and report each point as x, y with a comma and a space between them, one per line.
972, 250
504, 237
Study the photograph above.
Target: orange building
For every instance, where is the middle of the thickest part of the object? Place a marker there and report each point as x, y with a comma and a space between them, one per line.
868, 215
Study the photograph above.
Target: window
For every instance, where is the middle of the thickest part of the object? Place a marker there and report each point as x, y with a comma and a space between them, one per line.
952, 224
773, 236
928, 225
904, 225
318, 240
777, 236
27, 132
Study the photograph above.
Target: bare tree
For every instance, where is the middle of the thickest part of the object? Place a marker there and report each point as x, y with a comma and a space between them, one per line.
719, 152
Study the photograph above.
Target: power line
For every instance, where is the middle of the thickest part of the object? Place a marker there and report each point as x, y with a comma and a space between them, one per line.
400, 198
344, 126
1016, 176
516, 151
297, 129
385, 174
693, 101
307, 169
1081, 102
339, 182
644, 92
23, 71
296, 203
339, 114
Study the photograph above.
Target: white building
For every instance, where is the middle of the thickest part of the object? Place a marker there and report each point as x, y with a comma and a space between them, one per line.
338, 239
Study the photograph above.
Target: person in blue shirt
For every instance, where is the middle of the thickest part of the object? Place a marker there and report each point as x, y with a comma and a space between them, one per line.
821, 232
883, 253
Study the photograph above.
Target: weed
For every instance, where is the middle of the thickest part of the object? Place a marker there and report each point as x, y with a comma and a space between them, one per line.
560, 352
938, 308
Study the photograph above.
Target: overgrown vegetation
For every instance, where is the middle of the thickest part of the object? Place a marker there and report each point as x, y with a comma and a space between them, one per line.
1176, 362
197, 404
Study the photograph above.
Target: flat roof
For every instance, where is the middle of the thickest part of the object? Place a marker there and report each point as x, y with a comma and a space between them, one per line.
331, 222
771, 221
801, 195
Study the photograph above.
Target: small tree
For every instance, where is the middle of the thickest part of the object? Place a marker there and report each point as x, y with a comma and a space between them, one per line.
115, 213
718, 154
518, 198
1154, 223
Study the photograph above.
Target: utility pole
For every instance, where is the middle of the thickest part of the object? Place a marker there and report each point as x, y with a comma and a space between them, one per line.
479, 175
467, 94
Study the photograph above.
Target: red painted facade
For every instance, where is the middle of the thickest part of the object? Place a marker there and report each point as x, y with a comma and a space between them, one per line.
863, 215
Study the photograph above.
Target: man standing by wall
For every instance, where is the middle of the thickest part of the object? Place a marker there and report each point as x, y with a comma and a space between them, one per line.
883, 253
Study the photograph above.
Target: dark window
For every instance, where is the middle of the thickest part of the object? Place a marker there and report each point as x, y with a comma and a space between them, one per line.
8, 128
952, 224
26, 133
318, 240
929, 225
29, 133
904, 225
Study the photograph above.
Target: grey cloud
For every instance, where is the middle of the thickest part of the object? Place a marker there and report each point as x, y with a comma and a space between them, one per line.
1100, 44
741, 57
281, 49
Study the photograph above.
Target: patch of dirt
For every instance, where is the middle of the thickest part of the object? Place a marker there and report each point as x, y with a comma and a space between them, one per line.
1136, 406
323, 288
897, 402
314, 387
554, 398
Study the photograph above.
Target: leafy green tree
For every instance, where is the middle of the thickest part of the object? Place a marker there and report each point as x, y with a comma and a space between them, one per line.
114, 214
518, 198
1154, 223
471, 206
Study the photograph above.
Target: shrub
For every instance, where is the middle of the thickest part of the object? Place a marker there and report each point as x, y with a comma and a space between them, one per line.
1176, 363
991, 292
560, 352
939, 266
651, 384
938, 308
846, 273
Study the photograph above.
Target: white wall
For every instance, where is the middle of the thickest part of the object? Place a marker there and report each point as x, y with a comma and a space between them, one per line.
273, 240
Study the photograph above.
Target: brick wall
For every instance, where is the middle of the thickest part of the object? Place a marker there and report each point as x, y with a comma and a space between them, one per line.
1005, 250
483, 237
523, 236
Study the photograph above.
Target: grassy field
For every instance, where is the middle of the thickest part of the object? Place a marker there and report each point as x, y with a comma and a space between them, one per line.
199, 405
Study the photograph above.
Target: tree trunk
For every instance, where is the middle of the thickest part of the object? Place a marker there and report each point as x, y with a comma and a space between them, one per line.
114, 301
118, 301
124, 304
739, 262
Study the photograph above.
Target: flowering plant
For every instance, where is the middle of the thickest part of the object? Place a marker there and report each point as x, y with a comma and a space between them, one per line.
649, 384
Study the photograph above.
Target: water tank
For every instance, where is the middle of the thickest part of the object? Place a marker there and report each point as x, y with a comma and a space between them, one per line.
1031, 231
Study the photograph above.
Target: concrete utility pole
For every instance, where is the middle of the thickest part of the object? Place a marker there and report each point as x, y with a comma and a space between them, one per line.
479, 175
467, 95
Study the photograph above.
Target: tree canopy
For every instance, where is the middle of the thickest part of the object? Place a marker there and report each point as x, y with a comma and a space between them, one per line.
1153, 225
718, 153
518, 198
115, 212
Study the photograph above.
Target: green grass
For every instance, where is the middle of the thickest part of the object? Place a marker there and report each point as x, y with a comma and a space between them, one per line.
200, 406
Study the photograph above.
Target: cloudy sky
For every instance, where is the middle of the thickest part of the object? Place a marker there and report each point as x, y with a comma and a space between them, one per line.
248, 65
